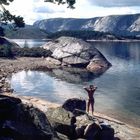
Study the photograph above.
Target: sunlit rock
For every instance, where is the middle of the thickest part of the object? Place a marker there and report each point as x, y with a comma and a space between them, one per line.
77, 53
53, 61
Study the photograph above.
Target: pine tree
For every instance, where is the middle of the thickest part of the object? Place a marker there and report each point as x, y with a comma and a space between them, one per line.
6, 16
69, 2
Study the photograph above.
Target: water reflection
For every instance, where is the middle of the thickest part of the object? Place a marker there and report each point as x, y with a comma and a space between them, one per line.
118, 93
73, 75
29, 42
122, 50
40, 84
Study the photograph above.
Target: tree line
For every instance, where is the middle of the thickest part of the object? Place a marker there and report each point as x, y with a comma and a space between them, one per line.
12, 52
84, 34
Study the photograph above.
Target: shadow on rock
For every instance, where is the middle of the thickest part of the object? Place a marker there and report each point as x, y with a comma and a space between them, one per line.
19, 121
65, 122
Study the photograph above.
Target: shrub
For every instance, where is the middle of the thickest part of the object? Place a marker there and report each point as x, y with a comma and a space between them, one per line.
31, 52
1, 31
5, 51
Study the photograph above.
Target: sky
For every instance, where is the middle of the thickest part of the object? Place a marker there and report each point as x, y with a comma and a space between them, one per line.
33, 10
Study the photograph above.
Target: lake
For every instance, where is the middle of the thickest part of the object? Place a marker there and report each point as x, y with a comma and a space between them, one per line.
29, 42
118, 93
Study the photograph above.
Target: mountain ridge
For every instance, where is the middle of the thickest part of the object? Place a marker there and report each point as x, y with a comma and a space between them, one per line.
116, 24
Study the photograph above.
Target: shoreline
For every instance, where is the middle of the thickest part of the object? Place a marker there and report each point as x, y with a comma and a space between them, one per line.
122, 130
127, 40
88, 40
8, 67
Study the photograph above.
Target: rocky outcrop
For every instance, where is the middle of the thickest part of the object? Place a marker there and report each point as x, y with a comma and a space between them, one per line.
117, 24
67, 122
73, 52
85, 126
22, 121
60, 118
26, 115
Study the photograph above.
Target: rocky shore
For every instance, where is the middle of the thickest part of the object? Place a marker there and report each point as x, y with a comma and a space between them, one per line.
8, 67
55, 113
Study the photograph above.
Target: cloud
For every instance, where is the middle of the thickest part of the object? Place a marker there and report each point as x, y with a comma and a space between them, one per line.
44, 9
115, 3
33, 10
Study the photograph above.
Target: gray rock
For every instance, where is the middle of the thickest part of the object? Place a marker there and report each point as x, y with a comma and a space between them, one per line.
107, 133
86, 127
58, 114
76, 52
19, 121
74, 60
52, 61
74, 103
91, 131
64, 129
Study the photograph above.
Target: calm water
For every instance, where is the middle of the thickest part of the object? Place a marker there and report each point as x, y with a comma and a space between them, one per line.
118, 93
29, 42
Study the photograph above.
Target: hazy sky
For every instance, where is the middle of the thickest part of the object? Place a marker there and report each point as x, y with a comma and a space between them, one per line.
33, 10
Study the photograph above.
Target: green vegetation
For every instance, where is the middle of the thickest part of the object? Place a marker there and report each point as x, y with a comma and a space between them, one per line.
30, 52
92, 35
85, 35
6, 17
8, 51
5, 51
1, 31
69, 2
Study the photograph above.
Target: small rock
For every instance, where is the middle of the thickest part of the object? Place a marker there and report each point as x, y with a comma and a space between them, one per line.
53, 61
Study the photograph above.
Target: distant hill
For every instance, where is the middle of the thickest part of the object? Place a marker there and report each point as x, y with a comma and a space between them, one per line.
126, 25
28, 32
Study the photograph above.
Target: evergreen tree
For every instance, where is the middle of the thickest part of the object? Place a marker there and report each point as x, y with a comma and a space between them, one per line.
69, 2
26, 44
1, 31
6, 16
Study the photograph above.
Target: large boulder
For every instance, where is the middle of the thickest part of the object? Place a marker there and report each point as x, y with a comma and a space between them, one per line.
85, 127
74, 103
77, 53
20, 121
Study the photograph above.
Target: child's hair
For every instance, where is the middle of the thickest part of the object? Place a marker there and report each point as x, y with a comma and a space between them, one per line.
91, 85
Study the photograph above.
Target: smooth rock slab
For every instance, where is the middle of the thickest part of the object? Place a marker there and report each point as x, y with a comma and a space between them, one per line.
77, 53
